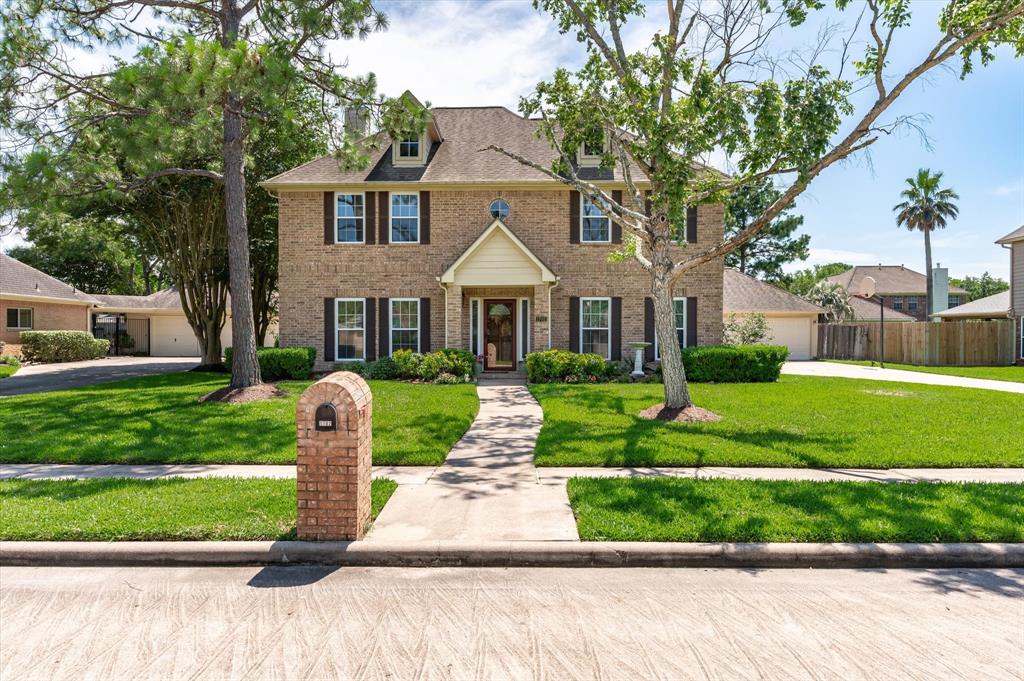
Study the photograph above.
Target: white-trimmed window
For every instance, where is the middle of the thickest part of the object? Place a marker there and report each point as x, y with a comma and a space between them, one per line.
1022, 337
595, 227
679, 313
409, 151
912, 303
596, 326
405, 218
19, 318
405, 324
897, 302
953, 300
591, 155
350, 217
350, 330
409, 147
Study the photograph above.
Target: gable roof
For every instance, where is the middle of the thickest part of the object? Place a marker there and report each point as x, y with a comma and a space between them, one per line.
19, 279
889, 279
996, 305
867, 311
498, 244
459, 158
742, 293
167, 299
1015, 235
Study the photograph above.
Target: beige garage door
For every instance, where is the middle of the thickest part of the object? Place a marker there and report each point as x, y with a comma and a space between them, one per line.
172, 337
794, 333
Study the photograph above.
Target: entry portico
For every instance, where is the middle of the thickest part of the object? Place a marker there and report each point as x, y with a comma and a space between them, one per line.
498, 299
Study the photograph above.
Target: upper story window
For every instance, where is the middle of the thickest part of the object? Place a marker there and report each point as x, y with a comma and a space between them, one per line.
410, 151
499, 209
595, 226
953, 300
897, 302
350, 218
405, 218
409, 148
911, 303
19, 318
590, 154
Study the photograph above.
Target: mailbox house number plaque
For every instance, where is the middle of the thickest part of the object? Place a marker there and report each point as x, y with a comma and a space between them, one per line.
326, 418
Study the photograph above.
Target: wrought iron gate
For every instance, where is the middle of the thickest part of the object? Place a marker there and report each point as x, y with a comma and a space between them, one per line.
126, 336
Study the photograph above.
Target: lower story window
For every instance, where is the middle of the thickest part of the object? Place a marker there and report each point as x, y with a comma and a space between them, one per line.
595, 326
19, 318
405, 324
351, 329
679, 314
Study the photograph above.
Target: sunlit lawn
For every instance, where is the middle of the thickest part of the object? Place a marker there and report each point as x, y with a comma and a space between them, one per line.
1000, 373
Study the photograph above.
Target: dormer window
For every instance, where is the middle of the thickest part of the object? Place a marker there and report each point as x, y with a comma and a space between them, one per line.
409, 148
590, 155
410, 151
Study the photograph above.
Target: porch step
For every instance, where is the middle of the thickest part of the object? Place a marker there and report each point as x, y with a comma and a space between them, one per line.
501, 377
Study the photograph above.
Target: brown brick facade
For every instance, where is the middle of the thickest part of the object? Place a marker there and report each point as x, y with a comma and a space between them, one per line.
45, 317
311, 271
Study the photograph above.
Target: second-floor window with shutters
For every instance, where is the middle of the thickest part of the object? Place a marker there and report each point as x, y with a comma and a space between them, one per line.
595, 227
350, 217
405, 218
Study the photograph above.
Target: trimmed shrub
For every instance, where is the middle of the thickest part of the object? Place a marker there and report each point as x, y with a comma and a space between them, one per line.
734, 363
407, 363
9, 365
458, 363
384, 369
557, 366
279, 363
61, 346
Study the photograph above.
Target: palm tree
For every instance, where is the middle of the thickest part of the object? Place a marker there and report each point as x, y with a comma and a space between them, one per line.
834, 299
926, 207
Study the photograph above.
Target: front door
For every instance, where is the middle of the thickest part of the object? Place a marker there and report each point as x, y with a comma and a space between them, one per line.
499, 335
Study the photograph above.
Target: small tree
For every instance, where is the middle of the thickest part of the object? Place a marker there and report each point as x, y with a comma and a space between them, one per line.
706, 83
765, 254
926, 207
802, 281
748, 329
834, 298
981, 287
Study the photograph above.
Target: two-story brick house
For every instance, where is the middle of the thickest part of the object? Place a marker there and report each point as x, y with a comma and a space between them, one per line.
900, 288
441, 244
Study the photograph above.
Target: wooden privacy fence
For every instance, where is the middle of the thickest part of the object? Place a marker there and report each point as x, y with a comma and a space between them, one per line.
966, 343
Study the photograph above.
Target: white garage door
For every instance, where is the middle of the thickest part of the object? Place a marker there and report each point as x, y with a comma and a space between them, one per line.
794, 333
172, 337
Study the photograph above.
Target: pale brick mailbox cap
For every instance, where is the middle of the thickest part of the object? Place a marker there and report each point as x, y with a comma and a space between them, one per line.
334, 466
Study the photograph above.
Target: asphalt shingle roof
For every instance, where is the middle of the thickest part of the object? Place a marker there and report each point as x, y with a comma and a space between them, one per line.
889, 279
997, 305
1015, 235
17, 278
743, 293
166, 299
867, 311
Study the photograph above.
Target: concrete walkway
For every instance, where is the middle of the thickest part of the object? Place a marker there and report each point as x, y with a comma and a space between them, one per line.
36, 378
837, 370
487, 488
422, 475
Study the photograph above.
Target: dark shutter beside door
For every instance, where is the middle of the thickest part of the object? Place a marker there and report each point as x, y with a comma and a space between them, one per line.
574, 324
574, 217
330, 341
691, 224
649, 328
385, 327
616, 349
370, 334
616, 227
328, 217
691, 321
424, 217
424, 324
370, 218
384, 217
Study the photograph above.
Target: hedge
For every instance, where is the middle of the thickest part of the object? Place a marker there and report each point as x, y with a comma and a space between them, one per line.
278, 363
448, 365
734, 363
61, 346
557, 366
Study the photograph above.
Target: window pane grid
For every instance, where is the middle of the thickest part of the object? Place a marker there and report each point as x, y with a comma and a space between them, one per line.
596, 227
409, 148
679, 314
350, 218
405, 323
594, 325
351, 329
405, 219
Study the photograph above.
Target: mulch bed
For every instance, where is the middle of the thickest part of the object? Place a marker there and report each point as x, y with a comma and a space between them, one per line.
691, 414
256, 393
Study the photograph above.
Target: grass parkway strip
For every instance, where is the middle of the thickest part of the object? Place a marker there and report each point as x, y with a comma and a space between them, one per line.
157, 419
118, 509
801, 421
1000, 373
681, 510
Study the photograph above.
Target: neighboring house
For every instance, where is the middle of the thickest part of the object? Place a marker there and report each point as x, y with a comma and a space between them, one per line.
791, 319
155, 324
865, 310
440, 244
901, 289
996, 306
1014, 241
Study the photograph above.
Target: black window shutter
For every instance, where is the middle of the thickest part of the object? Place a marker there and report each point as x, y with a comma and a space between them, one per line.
424, 324
328, 217
370, 218
385, 327
647, 202
424, 217
616, 348
616, 227
330, 341
384, 217
691, 224
574, 324
370, 334
574, 217
649, 329
691, 321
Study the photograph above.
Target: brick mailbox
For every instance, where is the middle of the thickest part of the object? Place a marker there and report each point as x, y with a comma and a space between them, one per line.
335, 442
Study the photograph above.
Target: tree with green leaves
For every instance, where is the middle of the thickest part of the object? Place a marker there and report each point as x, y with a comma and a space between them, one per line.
707, 83
802, 281
204, 70
925, 207
775, 245
834, 298
981, 287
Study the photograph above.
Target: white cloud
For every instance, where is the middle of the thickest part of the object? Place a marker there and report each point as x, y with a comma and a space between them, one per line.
821, 256
1008, 189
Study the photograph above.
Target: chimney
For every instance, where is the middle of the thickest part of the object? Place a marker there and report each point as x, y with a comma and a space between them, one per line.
940, 289
356, 121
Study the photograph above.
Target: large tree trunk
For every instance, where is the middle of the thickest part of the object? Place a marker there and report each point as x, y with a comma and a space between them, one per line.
677, 393
928, 271
211, 346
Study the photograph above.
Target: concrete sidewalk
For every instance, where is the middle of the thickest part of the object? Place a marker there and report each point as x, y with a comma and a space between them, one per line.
422, 475
837, 370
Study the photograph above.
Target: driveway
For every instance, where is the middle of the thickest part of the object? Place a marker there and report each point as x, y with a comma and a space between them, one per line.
37, 378
876, 374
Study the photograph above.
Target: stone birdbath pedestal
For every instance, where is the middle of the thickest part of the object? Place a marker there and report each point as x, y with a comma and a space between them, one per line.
638, 359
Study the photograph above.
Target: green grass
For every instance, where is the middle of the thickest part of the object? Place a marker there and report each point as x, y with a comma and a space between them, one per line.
1000, 373
677, 509
119, 509
158, 419
798, 422
7, 370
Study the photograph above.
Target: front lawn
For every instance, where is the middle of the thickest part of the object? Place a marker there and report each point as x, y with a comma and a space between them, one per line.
157, 419
679, 509
799, 421
1000, 373
120, 509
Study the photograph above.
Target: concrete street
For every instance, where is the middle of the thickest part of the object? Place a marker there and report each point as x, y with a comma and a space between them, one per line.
36, 378
461, 623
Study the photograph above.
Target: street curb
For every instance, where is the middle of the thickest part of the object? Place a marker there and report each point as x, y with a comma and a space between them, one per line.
513, 554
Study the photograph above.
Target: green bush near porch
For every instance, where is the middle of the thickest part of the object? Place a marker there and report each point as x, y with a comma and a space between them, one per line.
281, 363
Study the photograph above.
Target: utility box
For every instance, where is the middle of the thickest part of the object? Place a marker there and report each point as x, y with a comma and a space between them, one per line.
334, 461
